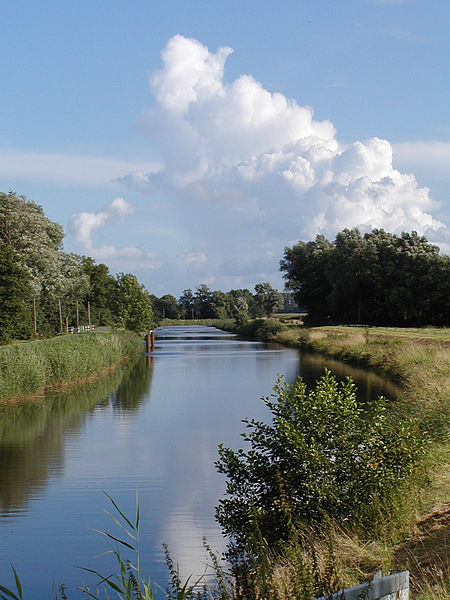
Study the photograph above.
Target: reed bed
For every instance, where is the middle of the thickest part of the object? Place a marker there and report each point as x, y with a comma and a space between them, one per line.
29, 368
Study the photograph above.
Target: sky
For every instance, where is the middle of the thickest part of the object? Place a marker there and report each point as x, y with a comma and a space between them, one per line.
190, 142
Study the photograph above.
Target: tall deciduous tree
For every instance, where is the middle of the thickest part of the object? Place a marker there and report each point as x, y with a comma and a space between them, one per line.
15, 297
54, 275
186, 303
102, 291
268, 300
134, 305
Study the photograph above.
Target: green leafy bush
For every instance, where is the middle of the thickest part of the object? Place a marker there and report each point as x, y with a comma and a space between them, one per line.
260, 329
324, 455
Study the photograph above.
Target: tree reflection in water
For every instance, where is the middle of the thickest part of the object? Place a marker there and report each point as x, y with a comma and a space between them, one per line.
33, 432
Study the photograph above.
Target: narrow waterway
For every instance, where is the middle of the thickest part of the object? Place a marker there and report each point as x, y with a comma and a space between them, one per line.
152, 428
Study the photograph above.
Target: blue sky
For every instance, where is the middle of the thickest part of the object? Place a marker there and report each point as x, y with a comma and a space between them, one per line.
164, 153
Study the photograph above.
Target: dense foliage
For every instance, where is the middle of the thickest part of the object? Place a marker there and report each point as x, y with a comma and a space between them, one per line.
15, 293
376, 278
239, 304
33, 366
324, 455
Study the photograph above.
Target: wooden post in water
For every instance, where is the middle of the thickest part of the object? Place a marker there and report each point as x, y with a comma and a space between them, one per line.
153, 339
147, 343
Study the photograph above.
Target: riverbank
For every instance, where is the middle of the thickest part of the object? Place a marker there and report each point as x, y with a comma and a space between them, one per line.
415, 534
31, 368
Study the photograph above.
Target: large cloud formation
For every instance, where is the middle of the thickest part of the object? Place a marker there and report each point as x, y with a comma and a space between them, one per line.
222, 139
251, 171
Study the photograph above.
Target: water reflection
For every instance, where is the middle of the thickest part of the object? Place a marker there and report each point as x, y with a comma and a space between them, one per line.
133, 388
369, 384
32, 433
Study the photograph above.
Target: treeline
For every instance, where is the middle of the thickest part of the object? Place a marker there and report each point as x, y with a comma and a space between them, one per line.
377, 278
44, 290
238, 304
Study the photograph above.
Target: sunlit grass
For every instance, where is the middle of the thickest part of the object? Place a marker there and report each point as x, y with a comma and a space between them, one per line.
26, 369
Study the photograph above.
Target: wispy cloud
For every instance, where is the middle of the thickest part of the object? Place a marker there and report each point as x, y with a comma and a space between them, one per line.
67, 169
82, 226
399, 33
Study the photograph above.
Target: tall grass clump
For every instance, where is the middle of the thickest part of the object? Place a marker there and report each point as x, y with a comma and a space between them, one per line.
28, 368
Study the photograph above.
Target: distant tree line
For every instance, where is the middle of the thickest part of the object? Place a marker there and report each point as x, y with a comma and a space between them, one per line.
239, 304
377, 278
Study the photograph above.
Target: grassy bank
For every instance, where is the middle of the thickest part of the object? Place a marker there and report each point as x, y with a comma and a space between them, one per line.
32, 367
413, 532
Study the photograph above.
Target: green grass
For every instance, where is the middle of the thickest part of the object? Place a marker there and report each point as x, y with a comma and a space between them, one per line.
418, 361
29, 368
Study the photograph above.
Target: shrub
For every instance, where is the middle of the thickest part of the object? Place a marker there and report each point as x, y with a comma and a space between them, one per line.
261, 329
323, 455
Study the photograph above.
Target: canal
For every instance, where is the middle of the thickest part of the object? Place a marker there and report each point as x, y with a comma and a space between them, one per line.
152, 427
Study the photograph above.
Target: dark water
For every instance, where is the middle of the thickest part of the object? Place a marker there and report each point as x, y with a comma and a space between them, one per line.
152, 428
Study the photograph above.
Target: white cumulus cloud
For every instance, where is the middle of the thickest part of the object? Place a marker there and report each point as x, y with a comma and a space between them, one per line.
237, 140
244, 165
82, 227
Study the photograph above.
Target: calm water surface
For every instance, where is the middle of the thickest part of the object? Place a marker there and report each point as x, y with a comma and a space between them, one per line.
152, 427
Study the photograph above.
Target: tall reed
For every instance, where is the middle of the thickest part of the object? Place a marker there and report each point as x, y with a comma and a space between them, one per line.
28, 368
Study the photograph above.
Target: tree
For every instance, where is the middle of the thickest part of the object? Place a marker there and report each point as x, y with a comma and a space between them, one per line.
203, 301
349, 273
242, 301
379, 278
167, 307
305, 266
15, 297
53, 274
324, 455
186, 302
134, 305
220, 305
267, 299
102, 290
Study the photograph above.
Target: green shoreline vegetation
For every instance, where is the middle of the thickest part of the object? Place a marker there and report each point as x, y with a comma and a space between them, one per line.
30, 368
418, 361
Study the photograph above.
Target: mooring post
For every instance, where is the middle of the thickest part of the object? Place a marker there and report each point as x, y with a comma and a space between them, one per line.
153, 339
147, 343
